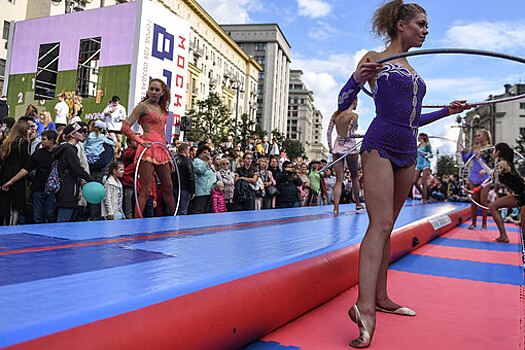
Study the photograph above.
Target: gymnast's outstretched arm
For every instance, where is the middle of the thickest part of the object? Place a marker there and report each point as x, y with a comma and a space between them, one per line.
455, 107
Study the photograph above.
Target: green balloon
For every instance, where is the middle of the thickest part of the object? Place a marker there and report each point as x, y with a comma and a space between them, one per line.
94, 192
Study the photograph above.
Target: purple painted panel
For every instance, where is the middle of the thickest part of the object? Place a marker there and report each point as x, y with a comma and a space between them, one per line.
115, 24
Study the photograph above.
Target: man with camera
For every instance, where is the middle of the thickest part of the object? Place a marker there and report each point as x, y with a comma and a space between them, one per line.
287, 183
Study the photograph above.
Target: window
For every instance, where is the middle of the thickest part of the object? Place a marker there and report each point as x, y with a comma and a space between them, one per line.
260, 47
5, 34
522, 105
87, 70
261, 75
260, 59
522, 116
2, 67
46, 72
522, 131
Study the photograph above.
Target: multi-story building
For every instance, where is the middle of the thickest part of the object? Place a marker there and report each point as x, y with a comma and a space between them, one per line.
217, 63
267, 44
305, 122
317, 150
300, 111
505, 120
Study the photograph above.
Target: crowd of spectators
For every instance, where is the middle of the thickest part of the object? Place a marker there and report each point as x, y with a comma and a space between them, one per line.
208, 178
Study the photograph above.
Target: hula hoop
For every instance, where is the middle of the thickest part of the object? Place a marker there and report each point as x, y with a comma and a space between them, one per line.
137, 174
342, 157
455, 51
444, 138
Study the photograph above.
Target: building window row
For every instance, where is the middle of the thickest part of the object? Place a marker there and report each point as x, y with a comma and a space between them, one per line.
5, 33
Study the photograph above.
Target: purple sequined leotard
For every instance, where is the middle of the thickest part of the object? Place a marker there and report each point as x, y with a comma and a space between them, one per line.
398, 95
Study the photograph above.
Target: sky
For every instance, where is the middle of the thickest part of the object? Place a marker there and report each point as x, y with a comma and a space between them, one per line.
329, 37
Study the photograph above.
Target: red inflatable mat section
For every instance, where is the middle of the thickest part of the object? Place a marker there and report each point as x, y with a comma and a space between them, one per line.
236, 313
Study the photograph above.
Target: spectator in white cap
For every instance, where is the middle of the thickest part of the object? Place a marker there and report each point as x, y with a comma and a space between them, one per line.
114, 115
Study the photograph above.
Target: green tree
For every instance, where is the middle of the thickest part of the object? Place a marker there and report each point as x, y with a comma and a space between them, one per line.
259, 131
278, 135
245, 130
446, 165
212, 120
292, 148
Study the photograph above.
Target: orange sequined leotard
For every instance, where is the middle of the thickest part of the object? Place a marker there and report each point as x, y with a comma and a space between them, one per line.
154, 126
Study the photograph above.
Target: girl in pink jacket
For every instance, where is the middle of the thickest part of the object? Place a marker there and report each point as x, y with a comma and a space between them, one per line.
217, 198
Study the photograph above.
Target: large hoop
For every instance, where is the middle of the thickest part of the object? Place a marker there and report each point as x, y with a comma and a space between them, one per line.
342, 157
455, 51
444, 138
137, 174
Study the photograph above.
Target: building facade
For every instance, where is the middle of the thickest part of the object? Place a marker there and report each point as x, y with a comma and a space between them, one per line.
216, 62
300, 111
305, 122
267, 44
505, 121
318, 151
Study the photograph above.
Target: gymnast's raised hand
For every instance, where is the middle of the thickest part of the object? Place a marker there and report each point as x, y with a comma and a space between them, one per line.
366, 70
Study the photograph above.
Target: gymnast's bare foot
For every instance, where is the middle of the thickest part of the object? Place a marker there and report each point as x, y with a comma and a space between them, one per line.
501, 239
336, 210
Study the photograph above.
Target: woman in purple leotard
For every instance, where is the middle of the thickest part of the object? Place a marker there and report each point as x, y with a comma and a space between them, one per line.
478, 175
388, 151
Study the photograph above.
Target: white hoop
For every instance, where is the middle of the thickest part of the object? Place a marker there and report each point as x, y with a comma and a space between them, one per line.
455, 51
137, 174
444, 138
342, 157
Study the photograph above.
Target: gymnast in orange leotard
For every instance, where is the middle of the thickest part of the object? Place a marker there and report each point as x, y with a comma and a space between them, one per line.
151, 113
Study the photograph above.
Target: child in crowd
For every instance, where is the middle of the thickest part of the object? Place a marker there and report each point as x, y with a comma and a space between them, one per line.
217, 198
112, 208
95, 140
